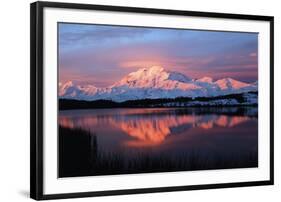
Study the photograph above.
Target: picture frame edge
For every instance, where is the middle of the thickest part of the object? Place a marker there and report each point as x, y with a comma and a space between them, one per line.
36, 101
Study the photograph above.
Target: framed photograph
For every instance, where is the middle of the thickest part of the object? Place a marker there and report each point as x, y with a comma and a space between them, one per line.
131, 100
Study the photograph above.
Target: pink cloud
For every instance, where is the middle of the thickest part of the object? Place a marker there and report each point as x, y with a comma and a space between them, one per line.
253, 54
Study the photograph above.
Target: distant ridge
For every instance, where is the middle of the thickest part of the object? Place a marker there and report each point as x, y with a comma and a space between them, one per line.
155, 83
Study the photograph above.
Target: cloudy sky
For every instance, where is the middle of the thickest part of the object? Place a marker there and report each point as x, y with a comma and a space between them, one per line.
101, 55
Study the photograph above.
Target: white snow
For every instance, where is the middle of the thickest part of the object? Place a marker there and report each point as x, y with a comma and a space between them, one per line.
155, 82
205, 79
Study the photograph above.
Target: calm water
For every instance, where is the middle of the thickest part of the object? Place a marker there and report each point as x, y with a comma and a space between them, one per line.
119, 141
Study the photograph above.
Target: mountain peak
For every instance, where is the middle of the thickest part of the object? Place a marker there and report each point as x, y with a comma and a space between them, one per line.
150, 70
227, 83
68, 83
65, 88
153, 77
205, 79
156, 69
155, 82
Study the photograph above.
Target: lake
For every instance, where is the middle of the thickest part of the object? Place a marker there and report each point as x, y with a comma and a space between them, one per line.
142, 140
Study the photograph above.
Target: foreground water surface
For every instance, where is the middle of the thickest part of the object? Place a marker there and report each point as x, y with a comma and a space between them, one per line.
123, 141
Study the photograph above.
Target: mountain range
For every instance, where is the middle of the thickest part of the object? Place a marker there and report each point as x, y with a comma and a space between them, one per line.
154, 83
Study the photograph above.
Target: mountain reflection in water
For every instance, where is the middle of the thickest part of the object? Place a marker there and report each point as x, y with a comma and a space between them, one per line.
168, 132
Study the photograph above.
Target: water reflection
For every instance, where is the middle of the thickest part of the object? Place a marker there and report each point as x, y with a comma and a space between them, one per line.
148, 127
157, 140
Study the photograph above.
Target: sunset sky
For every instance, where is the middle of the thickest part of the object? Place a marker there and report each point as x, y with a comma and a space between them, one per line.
101, 55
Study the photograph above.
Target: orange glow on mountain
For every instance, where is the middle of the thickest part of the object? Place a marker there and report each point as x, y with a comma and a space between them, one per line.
146, 132
237, 120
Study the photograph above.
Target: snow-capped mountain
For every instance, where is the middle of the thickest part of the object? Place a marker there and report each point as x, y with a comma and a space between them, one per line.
155, 82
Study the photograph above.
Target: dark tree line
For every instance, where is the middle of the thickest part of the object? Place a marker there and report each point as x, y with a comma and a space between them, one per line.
65, 104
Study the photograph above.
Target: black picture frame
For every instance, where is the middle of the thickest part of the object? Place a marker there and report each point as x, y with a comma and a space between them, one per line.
36, 98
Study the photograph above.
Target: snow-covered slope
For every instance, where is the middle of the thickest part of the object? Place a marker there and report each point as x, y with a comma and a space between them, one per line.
155, 82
